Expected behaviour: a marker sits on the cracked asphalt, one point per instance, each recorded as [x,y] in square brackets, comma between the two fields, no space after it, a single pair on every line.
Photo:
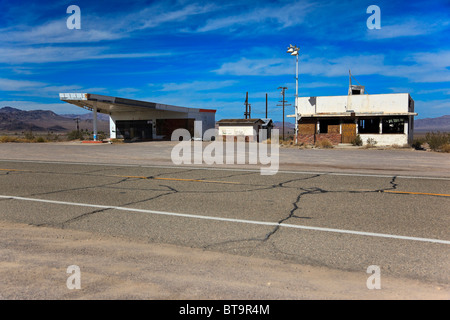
[312,227]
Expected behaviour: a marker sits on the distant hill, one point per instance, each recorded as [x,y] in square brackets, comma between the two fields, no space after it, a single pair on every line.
[16,120]
[86,116]
[433,124]
[289,127]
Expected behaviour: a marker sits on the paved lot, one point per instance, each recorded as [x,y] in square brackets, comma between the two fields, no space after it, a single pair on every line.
[320,225]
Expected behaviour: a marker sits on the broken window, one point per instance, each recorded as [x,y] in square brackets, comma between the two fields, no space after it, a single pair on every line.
[370,125]
[393,125]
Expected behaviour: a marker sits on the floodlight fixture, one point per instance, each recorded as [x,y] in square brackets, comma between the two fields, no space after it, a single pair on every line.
[294,51]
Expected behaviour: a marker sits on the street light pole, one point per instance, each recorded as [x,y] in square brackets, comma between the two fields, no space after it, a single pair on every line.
[294,51]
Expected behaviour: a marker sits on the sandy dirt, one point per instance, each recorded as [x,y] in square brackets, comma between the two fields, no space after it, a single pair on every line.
[34,262]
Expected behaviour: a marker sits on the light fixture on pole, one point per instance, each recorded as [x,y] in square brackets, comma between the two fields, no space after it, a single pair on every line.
[294,51]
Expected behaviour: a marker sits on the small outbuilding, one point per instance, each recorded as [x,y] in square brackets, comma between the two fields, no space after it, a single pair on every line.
[246,129]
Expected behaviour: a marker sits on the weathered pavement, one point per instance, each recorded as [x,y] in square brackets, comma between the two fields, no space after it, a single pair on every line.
[146,231]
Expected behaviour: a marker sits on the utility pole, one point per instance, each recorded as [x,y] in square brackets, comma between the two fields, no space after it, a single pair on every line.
[283,89]
[266,105]
[246,113]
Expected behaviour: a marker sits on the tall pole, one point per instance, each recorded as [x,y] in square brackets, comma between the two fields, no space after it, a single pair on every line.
[294,51]
[95,123]
[246,105]
[296,103]
[284,104]
[266,105]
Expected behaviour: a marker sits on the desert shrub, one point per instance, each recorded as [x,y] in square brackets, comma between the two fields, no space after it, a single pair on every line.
[101,136]
[417,143]
[52,137]
[324,144]
[40,139]
[357,141]
[371,142]
[446,148]
[29,135]
[75,135]
[4,139]
[437,140]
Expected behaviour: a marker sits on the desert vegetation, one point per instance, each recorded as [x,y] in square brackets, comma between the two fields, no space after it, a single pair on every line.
[435,141]
[40,137]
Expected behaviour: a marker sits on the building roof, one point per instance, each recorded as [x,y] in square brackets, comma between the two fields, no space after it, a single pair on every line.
[354,114]
[108,104]
[240,121]
[267,121]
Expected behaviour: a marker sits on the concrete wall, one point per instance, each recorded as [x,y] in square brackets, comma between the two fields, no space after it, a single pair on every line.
[387,103]
[385,139]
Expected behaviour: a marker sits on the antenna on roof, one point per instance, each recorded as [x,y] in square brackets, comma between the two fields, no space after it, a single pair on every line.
[354,89]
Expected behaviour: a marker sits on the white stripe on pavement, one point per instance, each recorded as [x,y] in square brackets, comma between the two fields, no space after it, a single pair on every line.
[266,223]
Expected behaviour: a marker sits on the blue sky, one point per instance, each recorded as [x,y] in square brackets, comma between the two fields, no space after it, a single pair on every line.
[208,54]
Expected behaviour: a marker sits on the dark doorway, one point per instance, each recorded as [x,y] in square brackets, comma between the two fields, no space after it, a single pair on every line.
[134,130]
[165,127]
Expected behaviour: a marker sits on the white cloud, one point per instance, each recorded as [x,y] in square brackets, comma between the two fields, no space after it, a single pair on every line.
[397,28]
[282,16]
[41,89]
[96,28]
[418,67]
[18,55]
[256,67]
[19,85]
[56,32]
[197,85]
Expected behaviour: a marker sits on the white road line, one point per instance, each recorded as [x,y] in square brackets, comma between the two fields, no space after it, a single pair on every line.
[229,169]
[266,223]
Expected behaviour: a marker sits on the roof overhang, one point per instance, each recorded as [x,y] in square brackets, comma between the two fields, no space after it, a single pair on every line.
[240,121]
[108,104]
[355,114]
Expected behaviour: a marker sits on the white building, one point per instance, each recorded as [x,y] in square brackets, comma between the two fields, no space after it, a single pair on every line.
[388,119]
[247,129]
[135,120]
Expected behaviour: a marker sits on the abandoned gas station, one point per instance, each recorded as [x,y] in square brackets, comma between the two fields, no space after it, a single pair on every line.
[385,119]
[134,120]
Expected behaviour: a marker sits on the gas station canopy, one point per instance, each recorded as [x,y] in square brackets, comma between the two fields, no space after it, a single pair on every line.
[108,104]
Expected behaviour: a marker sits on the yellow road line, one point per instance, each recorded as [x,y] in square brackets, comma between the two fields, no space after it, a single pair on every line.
[419,193]
[137,177]
[178,179]
[196,180]
[12,170]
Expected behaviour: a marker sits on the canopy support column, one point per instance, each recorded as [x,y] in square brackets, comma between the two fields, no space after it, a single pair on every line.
[95,122]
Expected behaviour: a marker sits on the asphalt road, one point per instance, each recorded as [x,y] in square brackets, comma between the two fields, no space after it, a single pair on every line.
[341,222]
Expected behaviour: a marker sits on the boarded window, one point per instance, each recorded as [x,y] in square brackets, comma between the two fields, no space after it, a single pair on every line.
[329,126]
